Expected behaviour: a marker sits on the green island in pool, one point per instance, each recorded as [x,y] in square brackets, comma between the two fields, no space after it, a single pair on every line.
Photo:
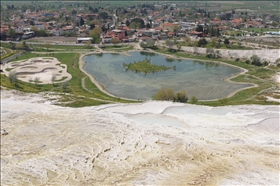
[146,66]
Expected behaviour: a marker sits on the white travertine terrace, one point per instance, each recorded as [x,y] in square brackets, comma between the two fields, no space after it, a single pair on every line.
[43,68]
[104,145]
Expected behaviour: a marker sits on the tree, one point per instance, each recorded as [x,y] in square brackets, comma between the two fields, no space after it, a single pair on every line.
[95,35]
[13,77]
[11,33]
[256,60]
[53,79]
[181,97]
[88,45]
[74,12]
[115,41]
[226,41]
[92,24]
[187,40]
[65,85]
[176,29]
[194,100]
[199,28]
[201,42]
[12,45]
[25,46]
[47,45]
[170,44]
[164,94]
[210,53]
[214,42]
[82,22]
[179,46]
[103,15]
[36,80]
[137,23]
[151,43]
[148,44]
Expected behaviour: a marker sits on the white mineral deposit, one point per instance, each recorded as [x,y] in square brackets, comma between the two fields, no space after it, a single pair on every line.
[115,144]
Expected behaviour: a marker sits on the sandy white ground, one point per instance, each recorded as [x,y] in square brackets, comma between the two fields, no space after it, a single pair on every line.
[180,144]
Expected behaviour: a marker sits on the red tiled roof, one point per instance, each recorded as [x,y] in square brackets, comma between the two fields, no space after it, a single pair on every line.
[236,21]
[171,33]
[194,32]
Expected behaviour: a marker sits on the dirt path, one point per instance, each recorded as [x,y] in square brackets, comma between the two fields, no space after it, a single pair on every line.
[84,87]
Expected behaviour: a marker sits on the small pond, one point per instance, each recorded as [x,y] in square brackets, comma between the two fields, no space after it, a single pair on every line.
[205,80]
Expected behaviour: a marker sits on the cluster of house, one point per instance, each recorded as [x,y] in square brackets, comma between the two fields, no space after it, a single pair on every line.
[160,26]
[161,32]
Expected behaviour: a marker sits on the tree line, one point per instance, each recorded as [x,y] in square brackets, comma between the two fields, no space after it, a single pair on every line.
[168,94]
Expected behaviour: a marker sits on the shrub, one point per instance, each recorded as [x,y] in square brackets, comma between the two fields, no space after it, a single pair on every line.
[210,53]
[265,63]
[181,97]
[201,42]
[223,101]
[226,41]
[13,77]
[194,100]
[256,60]
[36,80]
[65,85]
[168,95]
[164,94]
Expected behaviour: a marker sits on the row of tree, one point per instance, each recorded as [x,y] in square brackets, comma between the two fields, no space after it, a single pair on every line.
[168,94]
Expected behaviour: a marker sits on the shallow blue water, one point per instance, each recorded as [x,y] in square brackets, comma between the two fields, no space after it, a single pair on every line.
[201,79]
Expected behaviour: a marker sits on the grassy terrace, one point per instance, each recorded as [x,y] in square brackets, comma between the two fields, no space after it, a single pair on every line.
[77,95]
[260,76]
[145,67]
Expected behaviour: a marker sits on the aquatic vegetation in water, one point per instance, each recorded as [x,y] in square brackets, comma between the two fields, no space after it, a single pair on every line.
[146,66]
